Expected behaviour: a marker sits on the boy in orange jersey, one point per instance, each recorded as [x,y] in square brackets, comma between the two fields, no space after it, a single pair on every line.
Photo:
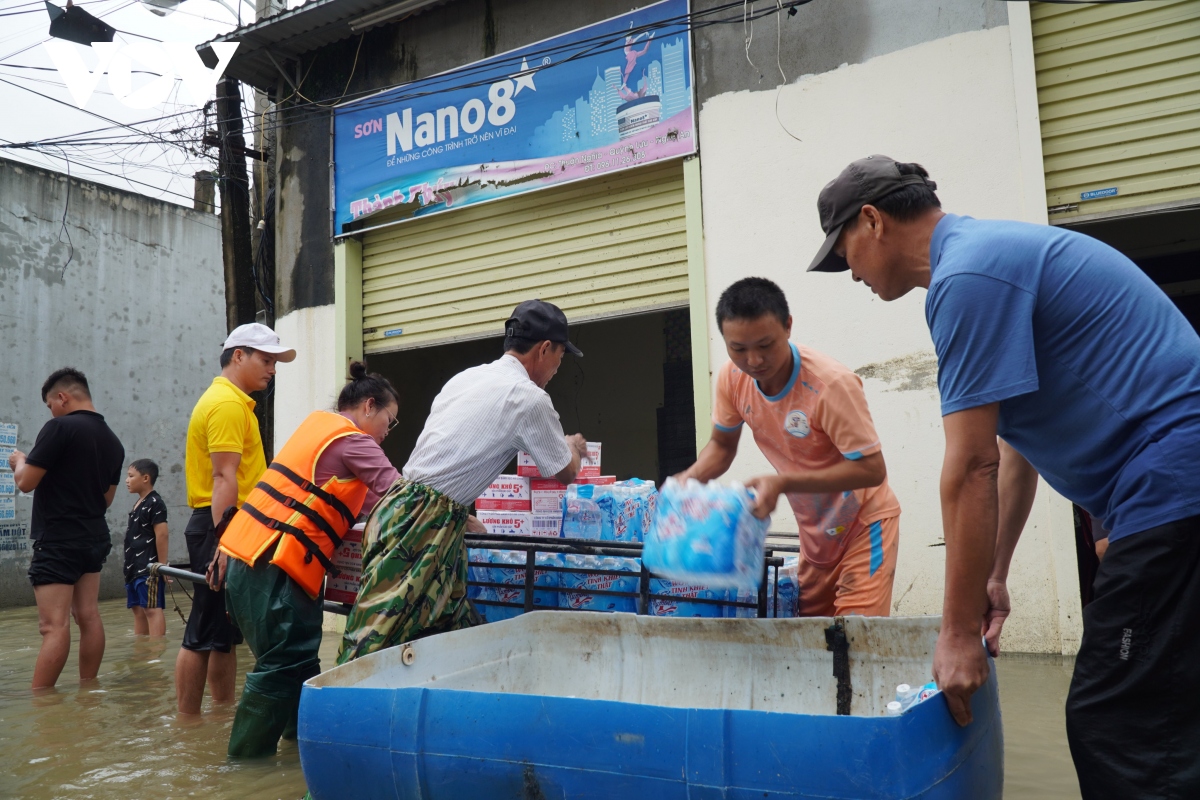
[809,417]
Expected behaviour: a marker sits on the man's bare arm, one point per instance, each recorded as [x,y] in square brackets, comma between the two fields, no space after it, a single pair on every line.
[225,488]
[577,444]
[161,540]
[714,460]
[969,519]
[25,476]
[224,495]
[1017,487]
[844,476]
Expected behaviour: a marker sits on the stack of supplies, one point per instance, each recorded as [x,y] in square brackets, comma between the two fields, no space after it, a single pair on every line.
[546,493]
[615,511]
[505,507]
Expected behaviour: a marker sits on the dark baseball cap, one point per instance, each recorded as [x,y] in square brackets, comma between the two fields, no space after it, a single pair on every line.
[538,321]
[861,183]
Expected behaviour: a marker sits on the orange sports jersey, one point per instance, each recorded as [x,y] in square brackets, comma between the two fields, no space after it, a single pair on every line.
[819,418]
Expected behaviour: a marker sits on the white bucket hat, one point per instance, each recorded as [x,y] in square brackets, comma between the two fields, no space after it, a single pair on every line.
[259,337]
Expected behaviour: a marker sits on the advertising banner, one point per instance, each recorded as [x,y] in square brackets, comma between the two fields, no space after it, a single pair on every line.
[608,97]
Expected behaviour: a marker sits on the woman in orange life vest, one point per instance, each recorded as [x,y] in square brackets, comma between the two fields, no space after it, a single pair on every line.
[279,546]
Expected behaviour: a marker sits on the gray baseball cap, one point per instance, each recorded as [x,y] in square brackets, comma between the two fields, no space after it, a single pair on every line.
[861,183]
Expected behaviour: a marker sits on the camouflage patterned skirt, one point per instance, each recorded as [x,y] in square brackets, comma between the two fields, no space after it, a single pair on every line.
[414,572]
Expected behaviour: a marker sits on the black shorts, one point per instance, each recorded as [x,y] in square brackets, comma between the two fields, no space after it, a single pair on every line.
[208,626]
[66,562]
[1133,712]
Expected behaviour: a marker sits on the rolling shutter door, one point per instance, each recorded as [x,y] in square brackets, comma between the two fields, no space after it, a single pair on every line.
[1119,100]
[612,245]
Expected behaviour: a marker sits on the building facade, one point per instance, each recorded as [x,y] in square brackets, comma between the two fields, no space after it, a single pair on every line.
[1015,108]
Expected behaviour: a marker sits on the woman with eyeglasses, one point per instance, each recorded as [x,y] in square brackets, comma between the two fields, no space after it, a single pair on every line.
[281,543]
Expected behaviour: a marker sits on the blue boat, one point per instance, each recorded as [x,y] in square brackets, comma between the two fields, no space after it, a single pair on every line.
[559,704]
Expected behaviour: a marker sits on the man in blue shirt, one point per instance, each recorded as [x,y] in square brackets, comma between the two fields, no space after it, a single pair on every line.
[1061,347]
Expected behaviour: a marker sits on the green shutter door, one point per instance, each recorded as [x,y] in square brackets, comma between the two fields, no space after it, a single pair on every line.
[1119,100]
[603,247]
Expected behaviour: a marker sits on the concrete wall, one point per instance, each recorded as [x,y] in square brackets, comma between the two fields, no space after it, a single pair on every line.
[951,103]
[139,308]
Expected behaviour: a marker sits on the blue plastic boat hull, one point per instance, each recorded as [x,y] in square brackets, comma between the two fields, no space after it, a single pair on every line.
[439,744]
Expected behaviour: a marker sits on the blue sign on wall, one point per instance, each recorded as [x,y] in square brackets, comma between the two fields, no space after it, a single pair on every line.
[1096,194]
[611,96]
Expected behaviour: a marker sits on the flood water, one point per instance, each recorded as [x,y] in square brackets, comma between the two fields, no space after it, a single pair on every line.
[119,737]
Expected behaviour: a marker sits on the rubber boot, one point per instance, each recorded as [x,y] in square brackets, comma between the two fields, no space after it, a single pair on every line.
[291,730]
[258,724]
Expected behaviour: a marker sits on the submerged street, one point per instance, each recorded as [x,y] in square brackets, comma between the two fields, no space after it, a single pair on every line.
[121,738]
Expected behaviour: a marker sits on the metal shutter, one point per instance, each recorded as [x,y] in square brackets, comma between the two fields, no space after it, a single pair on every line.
[1119,100]
[612,245]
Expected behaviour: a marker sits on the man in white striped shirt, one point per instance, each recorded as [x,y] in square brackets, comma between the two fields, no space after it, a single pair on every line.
[414,579]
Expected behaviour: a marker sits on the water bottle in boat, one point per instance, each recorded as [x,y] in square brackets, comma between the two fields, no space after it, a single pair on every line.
[909,696]
[581,514]
[905,695]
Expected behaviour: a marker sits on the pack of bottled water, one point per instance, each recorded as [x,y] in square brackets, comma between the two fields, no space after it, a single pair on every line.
[475,574]
[788,580]
[511,572]
[633,503]
[681,594]
[579,587]
[582,518]
[619,512]
[705,533]
[908,696]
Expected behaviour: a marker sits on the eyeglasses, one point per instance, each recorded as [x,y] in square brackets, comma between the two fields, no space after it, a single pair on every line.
[392,421]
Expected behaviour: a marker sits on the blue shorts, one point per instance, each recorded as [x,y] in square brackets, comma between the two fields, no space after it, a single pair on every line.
[140,591]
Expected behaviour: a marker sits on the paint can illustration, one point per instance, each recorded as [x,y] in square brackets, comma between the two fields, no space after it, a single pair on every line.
[638,115]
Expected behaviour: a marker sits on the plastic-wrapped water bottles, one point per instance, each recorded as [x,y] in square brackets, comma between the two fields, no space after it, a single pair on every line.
[789,592]
[908,696]
[476,573]
[706,534]
[582,582]
[512,574]
[581,513]
[680,592]
[632,503]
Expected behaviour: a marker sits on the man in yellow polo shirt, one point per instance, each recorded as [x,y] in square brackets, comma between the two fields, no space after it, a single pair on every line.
[224,460]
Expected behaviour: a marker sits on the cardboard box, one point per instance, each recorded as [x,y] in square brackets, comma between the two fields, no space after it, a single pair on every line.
[348,560]
[589,467]
[597,480]
[506,493]
[547,525]
[546,494]
[506,523]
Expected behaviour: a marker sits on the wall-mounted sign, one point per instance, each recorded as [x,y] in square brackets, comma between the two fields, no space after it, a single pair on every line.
[8,486]
[1097,194]
[8,443]
[608,97]
[13,539]
[8,509]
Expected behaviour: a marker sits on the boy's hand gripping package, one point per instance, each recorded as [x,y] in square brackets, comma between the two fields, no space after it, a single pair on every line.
[705,533]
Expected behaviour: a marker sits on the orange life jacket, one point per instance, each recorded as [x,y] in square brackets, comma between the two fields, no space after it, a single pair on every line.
[287,501]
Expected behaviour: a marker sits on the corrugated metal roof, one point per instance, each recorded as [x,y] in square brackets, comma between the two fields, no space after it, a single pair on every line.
[279,41]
